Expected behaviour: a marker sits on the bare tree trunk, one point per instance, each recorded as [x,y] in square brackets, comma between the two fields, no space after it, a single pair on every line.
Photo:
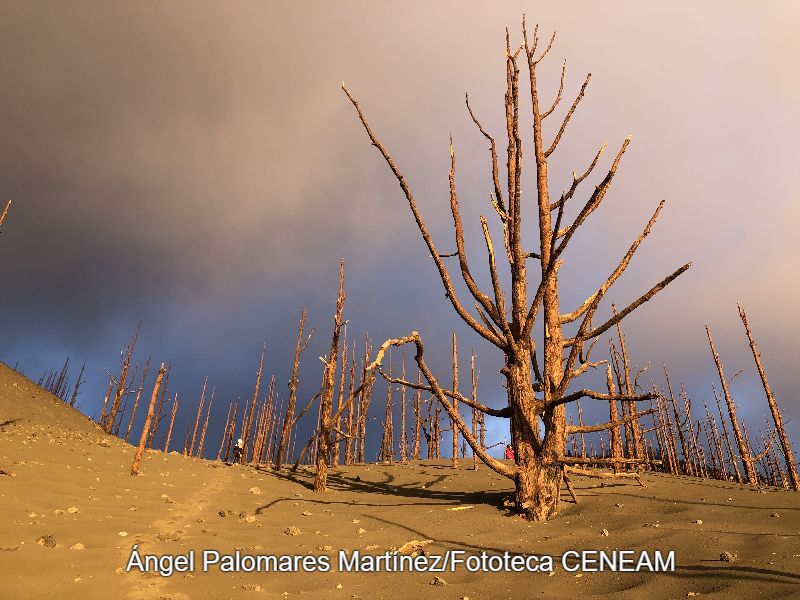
[417,417]
[248,426]
[613,417]
[290,407]
[197,418]
[337,425]
[728,444]
[351,433]
[403,439]
[326,406]
[742,445]
[231,430]
[172,422]
[205,426]
[158,416]
[224,431]
[138,397]
[791,465]
[454,429]
[137,459]
[475,434]
[126,363]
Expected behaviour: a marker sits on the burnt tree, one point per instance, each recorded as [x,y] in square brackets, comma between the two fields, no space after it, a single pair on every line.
[537,380]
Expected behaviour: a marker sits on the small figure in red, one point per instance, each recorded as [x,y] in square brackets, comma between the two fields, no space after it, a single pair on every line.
[509,452]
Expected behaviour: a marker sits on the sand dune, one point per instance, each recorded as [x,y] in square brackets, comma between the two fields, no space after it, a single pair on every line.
[72,512]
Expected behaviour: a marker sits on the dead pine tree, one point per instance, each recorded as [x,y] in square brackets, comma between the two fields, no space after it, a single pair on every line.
[290,406]
[387,441]
[326,400]
[77,387]
[453,427]
[197,417]
[248,424]
[335,448]
[417,418]
[403,439]
[474,380]
[741,443]
[137,459]
[537,379]
[171,422]
[201,443]
[138,397]
[786,446]
[111,418]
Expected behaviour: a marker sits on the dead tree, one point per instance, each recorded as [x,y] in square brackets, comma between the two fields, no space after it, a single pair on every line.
[290,407]
[197,416]
[78,384]
[137,459]
[537,382]
[326,405]
[158,415]
[474,380]
[403,438]
[613,417]
[171,422]
[111,418]
[791,465]
[351,433]
[248,422]
[201,443]
[138,397]
[335,448]
[453,427]
[741,442]
[417,417]
[387,441]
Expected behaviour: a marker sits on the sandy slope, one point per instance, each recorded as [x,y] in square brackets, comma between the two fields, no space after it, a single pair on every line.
[63,462]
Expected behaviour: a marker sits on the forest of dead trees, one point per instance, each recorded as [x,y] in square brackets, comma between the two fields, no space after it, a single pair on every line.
[653,423]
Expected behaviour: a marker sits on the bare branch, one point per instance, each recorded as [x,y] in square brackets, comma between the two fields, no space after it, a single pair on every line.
[584,393]
[576,181]
[630,308]
[623,264]
[547,113]
[443,273]
[606,426]
[498,192]
[572,108]
[493,412]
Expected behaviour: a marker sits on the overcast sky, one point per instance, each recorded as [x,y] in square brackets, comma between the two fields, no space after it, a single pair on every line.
[196,165]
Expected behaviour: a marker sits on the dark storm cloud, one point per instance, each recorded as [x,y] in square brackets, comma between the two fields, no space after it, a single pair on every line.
[196,165]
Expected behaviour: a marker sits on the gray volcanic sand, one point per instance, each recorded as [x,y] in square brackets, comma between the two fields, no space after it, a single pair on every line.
[73,483]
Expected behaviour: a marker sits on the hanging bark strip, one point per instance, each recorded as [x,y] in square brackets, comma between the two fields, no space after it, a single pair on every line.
[326,406]
[172,422]
[741,444]
[126,363]
[137,459]
[453,427]
[786,446]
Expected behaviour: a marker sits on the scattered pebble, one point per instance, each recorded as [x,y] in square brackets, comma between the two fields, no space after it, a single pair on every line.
[292,530]
[72,510]
[728,556]
[48,541]
[699,522]
[123,533]
[77,546]
[775,515]
[361,530]
[255,490]
[438,581]
[253,587]
[604,533]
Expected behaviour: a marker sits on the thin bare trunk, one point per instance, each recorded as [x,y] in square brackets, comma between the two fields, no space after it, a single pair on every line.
[137,459]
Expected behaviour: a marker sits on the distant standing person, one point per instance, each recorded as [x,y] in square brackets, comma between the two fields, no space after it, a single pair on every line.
[237,451]
[509,452]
